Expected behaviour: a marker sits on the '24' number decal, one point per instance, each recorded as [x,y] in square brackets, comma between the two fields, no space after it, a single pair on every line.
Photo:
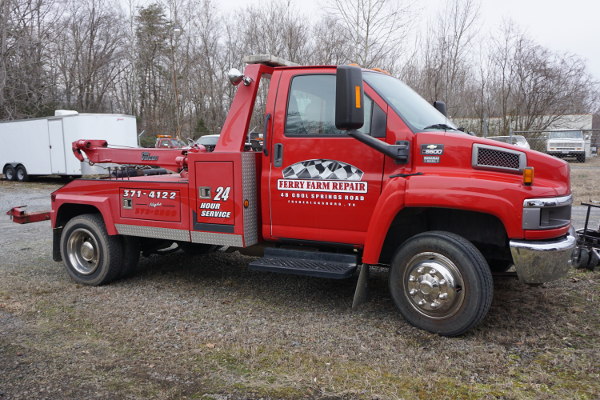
[222,193]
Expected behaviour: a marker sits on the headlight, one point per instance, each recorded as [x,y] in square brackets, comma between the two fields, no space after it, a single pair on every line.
[547,213]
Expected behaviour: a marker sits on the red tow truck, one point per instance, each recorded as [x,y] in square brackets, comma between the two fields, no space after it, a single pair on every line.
[167,141]
[357,170]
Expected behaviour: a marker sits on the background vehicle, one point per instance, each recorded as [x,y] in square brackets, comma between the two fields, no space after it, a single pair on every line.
[564,144]
[350,176]
[42,146]
[208,141]
[167,141]
[516,140]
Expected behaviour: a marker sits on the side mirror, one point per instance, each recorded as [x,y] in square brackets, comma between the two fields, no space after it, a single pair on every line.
[441,107]
[349,111]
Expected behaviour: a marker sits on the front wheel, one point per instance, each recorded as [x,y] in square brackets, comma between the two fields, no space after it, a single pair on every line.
[441,283]
[91,256]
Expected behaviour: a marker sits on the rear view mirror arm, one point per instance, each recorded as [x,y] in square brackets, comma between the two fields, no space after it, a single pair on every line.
[398,152]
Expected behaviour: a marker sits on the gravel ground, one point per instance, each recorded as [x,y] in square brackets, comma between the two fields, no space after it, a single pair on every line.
[207,327]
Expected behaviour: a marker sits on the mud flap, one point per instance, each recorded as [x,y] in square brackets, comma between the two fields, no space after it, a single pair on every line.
[361,292]
[56,232]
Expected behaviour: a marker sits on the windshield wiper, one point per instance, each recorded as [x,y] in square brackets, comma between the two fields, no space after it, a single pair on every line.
[441,126]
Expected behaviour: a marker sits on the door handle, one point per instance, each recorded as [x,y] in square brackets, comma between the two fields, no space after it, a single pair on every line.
[278,161]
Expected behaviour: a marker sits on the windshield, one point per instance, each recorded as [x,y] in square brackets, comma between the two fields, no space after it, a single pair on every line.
[566,135]
[413,109]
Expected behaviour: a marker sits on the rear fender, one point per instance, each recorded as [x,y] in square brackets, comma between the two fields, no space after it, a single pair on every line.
[71,206]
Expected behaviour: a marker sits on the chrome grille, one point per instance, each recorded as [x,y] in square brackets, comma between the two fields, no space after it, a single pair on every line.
[498,158]
[564,145]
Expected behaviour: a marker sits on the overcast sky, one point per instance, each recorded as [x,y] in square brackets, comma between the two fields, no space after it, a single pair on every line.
[563,26]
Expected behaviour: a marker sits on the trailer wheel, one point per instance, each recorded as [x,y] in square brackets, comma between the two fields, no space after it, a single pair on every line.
[581,158]
[91,256]
[22,175]
[9,173]
[441,283]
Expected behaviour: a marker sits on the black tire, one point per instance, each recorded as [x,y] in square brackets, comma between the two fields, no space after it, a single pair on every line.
[10,173]
[131,255]
[441,283]
[196,249]
[593,261]
[22,175]
[581,158]
[581,258]
[91,256]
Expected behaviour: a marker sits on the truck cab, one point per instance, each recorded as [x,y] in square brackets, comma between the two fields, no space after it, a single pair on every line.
[356,170]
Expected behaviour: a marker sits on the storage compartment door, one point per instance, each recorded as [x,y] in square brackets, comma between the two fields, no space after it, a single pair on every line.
[215,200]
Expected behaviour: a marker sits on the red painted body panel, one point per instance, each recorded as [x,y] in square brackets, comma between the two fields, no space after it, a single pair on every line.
[322,210]
[235,128]
[107,196]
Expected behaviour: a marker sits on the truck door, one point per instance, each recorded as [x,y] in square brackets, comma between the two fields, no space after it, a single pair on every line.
[57,146]
[323,185]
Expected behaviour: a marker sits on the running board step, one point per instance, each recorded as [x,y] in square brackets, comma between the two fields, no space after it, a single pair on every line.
[309,263]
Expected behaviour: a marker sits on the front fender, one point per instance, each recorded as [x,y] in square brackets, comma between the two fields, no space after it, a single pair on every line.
[388,206]
[452,192]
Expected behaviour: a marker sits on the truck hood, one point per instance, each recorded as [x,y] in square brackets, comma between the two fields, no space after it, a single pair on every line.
[436,152]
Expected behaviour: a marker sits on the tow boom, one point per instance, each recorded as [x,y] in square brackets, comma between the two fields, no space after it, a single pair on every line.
[97,151]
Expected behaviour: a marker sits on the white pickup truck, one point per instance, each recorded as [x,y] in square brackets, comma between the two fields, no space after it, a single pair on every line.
[564,144]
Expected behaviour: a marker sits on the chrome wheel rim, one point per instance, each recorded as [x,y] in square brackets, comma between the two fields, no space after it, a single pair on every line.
[20,174]
[83,251]
[433,285]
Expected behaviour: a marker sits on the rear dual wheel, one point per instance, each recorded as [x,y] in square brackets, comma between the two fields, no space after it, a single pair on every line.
[441,283]
[91,256]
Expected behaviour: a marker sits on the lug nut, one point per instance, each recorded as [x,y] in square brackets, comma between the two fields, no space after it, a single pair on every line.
[443,296]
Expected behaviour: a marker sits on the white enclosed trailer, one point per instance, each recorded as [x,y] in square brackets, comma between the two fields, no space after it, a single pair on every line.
[42,146]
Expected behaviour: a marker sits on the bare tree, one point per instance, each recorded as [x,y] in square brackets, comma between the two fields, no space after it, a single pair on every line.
[445,69]
[89,49]
[535,87]
[376,29]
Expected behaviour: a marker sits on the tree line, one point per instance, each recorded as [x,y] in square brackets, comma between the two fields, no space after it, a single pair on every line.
[165,61]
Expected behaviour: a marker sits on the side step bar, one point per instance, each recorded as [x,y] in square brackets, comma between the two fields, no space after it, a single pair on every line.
[308,263]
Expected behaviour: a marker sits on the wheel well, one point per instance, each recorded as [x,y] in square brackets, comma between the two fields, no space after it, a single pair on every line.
[485,231]
[69,211]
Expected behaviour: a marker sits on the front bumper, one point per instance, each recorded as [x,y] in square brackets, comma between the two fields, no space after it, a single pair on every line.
[542,261]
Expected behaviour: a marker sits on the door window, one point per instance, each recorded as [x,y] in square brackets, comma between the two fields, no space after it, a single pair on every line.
[311,107]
